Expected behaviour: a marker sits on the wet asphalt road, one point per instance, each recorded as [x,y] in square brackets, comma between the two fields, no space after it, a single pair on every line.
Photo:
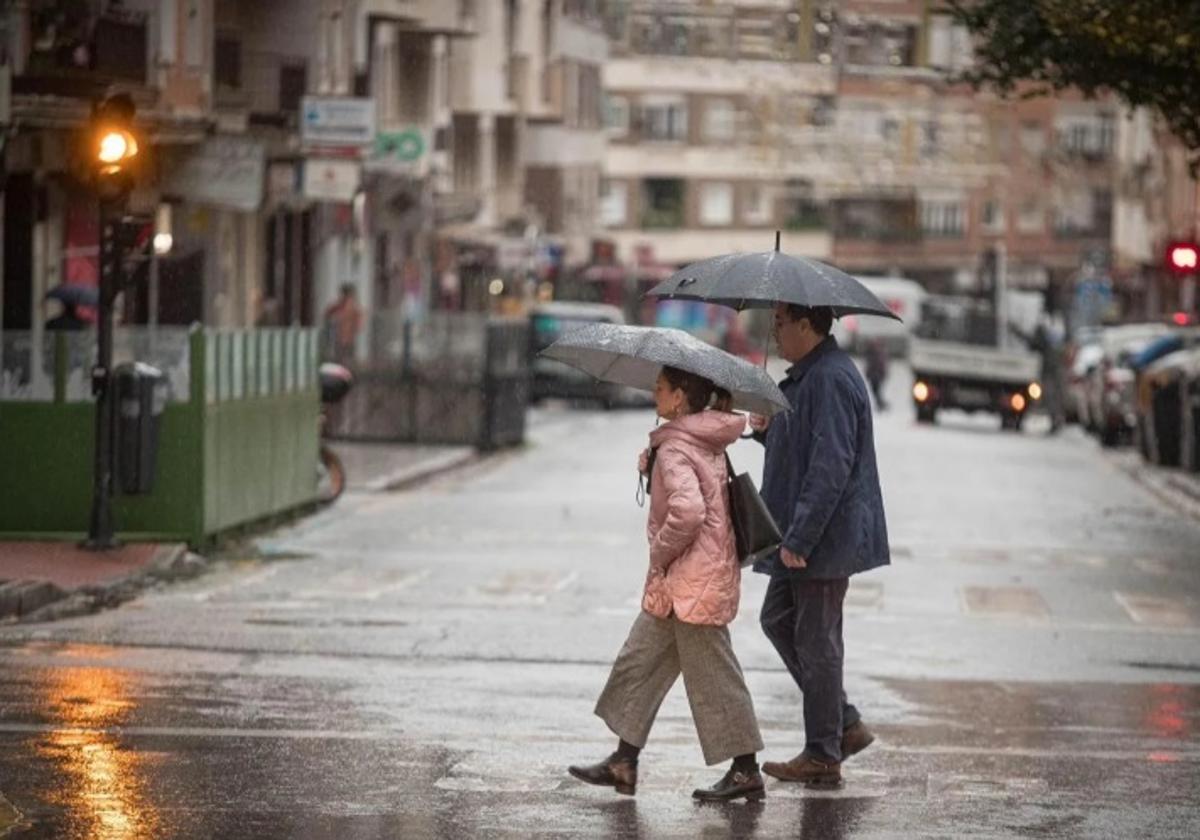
[424,664]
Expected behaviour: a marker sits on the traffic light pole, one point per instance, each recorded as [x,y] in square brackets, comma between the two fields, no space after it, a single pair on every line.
[100,531]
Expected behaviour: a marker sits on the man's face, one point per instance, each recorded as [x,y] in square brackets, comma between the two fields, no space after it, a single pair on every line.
[789,334]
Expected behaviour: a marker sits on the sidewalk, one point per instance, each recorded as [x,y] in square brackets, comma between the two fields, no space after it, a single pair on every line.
[45,580]
[378,467]
[1176,487]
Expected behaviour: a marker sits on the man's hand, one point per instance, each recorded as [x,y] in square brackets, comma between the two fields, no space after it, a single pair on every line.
[758,423]
[792,560]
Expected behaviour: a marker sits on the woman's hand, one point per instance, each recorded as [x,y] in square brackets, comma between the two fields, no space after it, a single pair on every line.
[643,461]
[758,423]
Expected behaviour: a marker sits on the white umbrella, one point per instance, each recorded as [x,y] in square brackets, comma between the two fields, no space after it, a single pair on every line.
[634,356]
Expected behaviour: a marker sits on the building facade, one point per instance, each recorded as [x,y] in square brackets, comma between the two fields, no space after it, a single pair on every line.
[838,123]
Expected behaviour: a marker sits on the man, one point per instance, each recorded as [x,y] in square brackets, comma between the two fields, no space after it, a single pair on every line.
[343,320]
[821,484]
[877,370]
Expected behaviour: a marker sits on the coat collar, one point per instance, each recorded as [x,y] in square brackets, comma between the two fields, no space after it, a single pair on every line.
[796,372]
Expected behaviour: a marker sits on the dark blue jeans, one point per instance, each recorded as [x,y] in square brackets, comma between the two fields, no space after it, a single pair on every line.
[803,619]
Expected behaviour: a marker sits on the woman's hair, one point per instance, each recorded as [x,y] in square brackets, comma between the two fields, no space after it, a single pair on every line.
[697,390]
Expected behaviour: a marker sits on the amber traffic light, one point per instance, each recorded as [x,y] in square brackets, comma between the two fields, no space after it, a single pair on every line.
[113,147]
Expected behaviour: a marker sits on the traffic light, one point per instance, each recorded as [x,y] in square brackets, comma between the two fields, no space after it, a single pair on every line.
[1183,258]
[113,147]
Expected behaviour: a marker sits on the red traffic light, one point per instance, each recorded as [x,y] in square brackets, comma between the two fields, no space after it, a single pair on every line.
[1183,257]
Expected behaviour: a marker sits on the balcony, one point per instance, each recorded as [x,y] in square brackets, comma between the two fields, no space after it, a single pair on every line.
[441,17]
[84,59]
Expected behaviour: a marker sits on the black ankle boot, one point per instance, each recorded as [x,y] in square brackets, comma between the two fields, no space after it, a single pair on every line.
[616,772]
[734,785]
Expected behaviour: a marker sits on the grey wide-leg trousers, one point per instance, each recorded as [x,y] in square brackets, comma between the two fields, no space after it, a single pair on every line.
[654,655]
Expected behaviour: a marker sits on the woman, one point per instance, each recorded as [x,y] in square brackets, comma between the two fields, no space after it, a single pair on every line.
[690,597]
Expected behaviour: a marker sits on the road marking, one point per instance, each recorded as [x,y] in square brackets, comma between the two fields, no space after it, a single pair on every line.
[1157,611]
[526,586]
[1012,601]
[982,787]
[10,817]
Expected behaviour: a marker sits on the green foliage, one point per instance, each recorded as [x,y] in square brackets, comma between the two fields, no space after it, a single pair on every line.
[1147,52]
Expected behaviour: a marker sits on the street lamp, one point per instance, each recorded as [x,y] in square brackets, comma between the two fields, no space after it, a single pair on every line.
[112,151]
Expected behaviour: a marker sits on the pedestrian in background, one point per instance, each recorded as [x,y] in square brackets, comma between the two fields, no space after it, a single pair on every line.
[877,370]
[343,322]
[821,484]
[691,595]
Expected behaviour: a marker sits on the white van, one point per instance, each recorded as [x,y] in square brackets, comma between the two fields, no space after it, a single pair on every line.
[900,295]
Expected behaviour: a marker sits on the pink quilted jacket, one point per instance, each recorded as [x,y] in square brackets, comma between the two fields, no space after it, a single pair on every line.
[693,562]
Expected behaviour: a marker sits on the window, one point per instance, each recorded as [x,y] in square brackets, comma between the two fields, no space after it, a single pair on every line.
[756,207]
[930,139]
[664,119]
[716,204]
[614,203]
[662,203]
[720,121]
[1033,138]
[943,218]
[293,84]
[1031,218]
[227,61]
[993,217]
[1093,137]
[949,44]
[879,43]
[616,115]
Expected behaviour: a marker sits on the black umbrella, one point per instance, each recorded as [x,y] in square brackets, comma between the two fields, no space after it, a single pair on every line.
[765,278]
[633,356]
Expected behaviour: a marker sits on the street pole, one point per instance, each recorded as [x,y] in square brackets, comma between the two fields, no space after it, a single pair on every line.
[100,531]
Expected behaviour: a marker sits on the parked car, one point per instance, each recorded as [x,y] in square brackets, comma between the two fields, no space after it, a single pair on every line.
[1143,361]
[548,321]
[1169,410]
[1111,385]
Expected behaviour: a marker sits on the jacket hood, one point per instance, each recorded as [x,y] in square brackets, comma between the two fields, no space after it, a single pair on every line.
[711,429]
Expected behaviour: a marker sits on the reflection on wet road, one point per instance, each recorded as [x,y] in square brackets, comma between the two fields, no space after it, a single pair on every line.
[424,665]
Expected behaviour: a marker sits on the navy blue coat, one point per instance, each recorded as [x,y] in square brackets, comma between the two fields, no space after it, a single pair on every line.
[820,480]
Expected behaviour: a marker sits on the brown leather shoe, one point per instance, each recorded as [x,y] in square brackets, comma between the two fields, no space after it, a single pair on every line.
[614,772]
[734,785]
[805,768]
[855,739]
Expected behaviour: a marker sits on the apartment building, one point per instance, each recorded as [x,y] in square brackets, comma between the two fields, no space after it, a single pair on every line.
[700,102]
[836,123]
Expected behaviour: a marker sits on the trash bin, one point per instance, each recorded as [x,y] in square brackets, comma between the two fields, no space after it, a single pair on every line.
[1167,411]
[1192,407]
[141,396]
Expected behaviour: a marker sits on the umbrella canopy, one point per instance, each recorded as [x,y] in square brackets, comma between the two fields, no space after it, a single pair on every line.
[634,356]
[71,295]
[765,278]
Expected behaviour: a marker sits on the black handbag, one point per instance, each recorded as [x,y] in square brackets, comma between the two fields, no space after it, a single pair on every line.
[754,529]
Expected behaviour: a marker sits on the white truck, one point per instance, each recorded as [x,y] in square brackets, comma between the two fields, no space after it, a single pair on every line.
[961,361]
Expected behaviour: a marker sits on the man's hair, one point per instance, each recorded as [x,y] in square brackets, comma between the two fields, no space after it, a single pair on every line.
[349,289]
[821,317]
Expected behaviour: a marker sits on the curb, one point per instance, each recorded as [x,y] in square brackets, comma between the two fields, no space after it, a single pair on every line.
[172,563]
[1172,486]
[424,471]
